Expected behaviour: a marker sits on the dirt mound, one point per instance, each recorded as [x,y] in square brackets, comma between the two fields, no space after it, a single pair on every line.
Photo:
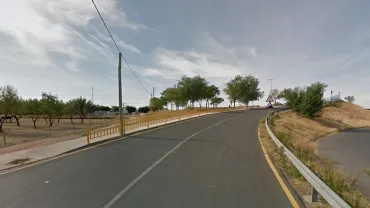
[334,117]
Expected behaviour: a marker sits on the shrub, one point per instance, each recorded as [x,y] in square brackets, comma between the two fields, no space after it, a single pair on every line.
[307,101]
[313,102]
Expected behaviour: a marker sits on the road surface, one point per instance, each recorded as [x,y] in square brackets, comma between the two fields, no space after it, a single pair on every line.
[212,161]
[350,150]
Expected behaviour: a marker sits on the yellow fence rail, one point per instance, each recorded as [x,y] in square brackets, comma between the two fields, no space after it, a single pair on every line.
[151,119]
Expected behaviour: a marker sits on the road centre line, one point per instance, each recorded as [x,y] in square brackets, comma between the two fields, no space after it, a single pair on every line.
[143,174]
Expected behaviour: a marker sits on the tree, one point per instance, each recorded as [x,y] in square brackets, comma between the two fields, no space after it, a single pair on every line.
[49,103]
[144,109]
[70,110]
[82,107]
[33,108]
[60,109]
[293,97]
[10,103]
[215,101]
[192,89]
[8,97]
[248,89]
[198,86]
[274,94]
[231,90]
[313,99]
[307,101]
[186,91]
[130,109]
[18,109]
[115,108]
[350,98]
[156,103]
[210,92]
[172,95]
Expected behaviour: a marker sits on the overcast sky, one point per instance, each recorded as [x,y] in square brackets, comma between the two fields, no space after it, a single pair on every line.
[61,46]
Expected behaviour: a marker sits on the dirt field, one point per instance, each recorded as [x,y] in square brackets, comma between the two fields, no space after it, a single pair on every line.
[63,130]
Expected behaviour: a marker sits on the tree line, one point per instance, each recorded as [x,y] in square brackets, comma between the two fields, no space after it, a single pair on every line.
[49,107]
[185,93]
[190,90]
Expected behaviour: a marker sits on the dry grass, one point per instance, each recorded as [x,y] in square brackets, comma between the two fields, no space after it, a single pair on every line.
[334,118]
[301,134]
[301,186]
[348,114]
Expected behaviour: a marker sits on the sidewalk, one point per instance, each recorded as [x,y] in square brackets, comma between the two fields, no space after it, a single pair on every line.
[43,152]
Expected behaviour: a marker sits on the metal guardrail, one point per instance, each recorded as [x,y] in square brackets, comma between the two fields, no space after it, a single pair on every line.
[324,190]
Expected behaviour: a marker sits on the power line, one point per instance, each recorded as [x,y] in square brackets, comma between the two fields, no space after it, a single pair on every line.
[128,65]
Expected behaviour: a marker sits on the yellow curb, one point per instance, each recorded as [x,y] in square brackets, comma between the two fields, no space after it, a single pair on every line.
[280,180]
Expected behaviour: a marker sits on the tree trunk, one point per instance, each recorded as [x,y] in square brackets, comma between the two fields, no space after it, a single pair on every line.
[46,121]
[82,119]
[17,119]
[1,125]
[234,103]
[51,121]
[34,119]
[60,116]
[71,117]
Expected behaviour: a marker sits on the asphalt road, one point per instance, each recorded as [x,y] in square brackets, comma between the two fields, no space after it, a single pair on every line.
[213,161]
[350,150]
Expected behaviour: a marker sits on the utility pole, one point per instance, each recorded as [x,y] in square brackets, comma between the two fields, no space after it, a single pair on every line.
[271,85]
[120,95]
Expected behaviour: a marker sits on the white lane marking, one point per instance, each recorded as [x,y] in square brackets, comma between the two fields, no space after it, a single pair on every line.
[46,181]
[133,183]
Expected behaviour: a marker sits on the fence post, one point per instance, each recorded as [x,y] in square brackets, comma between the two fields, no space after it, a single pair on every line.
[314,194]
[87,136]
[124,126]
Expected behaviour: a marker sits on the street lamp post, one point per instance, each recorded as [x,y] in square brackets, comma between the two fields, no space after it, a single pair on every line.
[271,85]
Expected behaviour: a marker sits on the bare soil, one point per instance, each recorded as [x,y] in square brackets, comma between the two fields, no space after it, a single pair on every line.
[42,135]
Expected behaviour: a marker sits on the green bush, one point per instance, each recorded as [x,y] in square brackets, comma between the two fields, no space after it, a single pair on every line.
[307,101]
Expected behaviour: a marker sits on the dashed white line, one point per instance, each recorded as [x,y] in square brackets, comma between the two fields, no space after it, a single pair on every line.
[136,180]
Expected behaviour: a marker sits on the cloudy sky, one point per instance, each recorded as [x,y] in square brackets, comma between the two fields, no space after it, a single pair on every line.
[61,46]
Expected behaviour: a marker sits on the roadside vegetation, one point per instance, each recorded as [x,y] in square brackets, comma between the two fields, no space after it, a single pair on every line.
[190,90]
[48,116]
[310,119]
